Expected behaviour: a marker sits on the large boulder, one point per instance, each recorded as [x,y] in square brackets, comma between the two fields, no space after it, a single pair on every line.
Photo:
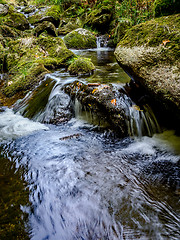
[80,39]
[150,53]
[16,20]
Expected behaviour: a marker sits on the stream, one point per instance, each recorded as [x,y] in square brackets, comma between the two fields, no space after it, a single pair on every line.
[79,181]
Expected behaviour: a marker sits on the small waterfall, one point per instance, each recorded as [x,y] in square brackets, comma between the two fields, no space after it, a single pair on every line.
[47,103]
[102,41]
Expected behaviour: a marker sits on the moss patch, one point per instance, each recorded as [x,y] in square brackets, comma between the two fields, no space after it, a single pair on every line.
[160,31]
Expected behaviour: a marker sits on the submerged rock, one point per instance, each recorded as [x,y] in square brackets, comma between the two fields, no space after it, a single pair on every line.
[150,53]
[80,39]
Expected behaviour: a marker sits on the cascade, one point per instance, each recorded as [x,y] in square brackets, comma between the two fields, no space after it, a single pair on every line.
[71,181]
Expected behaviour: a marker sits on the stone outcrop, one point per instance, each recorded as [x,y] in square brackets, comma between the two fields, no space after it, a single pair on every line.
[150,53]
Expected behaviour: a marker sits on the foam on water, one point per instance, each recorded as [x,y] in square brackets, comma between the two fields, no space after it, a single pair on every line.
[14,125]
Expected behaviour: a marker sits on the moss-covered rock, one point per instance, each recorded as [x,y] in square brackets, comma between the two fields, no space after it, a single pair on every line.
[150,52]
[15,20]
[26,78]
[67,27]
[80,39]
[81,66]
[166,7]
[50,14]
[47,27]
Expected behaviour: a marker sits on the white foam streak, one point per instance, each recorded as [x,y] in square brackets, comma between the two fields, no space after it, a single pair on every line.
[14,125]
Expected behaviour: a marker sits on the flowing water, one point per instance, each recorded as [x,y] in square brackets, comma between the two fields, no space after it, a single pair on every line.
[77,180]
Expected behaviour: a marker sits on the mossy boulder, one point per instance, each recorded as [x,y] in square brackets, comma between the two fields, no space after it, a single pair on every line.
[67,27]
[15,20]
[29,58]
[166,7]
[47,27]
[50,14]
[150,53]
[80,39]
[100,19]
[81,66]
[25,79]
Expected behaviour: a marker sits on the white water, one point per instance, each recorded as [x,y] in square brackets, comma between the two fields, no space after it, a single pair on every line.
[86,184]
[14,125]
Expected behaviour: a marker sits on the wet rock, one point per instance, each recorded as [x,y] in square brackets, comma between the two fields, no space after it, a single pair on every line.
[45,26]
[81,66]
[102,101]
[80,39]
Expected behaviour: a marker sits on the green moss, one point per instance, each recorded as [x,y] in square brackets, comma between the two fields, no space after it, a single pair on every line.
[80,39]
[7,31]
[166,7]
[51,14]
[81,66]
[16,20]
[153,33]
[25,79]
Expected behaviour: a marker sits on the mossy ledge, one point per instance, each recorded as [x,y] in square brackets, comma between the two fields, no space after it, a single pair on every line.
[150,53]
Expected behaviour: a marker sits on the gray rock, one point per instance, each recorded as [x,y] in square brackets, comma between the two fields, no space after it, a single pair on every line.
[4,9]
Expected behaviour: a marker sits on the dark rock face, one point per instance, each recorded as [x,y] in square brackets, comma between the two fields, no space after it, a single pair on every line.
[101,100]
